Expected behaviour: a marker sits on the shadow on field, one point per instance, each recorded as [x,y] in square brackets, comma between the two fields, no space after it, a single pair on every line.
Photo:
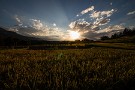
[57,47]
[75,47]
[112,47]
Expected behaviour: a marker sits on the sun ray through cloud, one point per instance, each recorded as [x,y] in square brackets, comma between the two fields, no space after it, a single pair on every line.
[55,19]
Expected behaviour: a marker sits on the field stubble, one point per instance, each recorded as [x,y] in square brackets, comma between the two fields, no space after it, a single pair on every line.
[94,68]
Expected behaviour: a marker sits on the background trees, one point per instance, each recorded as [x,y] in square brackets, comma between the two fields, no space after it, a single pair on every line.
[125,32]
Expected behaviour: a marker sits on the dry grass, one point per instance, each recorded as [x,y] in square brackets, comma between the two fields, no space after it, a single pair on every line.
[85,69]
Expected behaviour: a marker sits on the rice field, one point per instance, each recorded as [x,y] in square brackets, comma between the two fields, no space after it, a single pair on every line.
[95,68]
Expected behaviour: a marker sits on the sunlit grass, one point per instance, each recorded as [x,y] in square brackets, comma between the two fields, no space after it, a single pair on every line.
[94,68]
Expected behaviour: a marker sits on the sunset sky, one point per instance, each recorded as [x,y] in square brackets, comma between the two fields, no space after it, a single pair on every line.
[67,19]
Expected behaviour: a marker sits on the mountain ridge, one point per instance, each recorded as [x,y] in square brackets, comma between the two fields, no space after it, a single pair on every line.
[5,33]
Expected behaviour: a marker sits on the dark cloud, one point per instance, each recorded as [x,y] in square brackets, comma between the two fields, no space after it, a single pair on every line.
[26,30]
[108,31]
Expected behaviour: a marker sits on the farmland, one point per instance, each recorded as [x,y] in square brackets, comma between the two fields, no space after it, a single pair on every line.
[100,66]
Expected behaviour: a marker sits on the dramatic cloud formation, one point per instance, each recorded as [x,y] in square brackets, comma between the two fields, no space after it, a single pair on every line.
[130,13]
[100,18]
[91,27]
[36,28]
[60,19]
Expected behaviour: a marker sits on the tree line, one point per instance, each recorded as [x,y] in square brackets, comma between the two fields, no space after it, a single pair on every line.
[125,32]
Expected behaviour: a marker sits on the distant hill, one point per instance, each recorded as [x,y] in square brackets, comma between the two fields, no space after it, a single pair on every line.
[5,33]
[9,38]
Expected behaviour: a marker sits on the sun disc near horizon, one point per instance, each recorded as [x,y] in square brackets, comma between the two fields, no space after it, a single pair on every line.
[74,35]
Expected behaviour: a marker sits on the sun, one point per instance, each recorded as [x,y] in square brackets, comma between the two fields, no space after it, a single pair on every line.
[74,35]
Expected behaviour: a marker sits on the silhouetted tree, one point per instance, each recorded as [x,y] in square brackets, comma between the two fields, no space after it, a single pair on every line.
[114,36]
[86,39]
[77,40]
[105,38]
[126,32]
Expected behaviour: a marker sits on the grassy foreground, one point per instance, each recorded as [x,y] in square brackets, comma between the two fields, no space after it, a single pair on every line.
[85,69]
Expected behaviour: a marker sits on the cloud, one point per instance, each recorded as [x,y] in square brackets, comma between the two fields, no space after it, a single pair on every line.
[18,20]
[45,33]
[37,24]
[104,21]
[80,25]
[131,27]
[26,31]
[95,14]
[111,28]
[101,21]
[54,24]
[13,29]
[49,34]
[87,10]
[108,13]
[111,3]
[77,15]
[130,13]
[100,14]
